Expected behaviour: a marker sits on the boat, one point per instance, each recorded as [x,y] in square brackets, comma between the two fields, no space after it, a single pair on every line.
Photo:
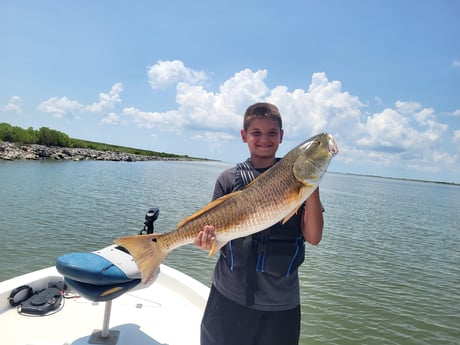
[98,298]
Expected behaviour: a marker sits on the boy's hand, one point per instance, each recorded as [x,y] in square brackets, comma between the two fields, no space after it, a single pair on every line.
[206,238]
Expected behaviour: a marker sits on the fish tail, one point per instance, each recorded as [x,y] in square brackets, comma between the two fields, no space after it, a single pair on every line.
[148,252]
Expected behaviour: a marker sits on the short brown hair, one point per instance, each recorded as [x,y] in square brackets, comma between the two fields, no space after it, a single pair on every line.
[266,110]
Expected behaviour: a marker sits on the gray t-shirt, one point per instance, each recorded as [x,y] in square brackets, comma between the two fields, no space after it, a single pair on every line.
[272,293]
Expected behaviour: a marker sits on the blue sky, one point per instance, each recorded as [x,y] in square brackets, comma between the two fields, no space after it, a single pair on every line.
[176,76]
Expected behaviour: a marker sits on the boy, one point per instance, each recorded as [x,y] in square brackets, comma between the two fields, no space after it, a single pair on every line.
[254,296]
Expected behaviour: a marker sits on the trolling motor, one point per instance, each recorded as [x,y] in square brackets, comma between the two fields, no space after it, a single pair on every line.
[150,217]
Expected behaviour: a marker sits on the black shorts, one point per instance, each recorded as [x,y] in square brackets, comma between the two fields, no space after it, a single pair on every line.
[228,323]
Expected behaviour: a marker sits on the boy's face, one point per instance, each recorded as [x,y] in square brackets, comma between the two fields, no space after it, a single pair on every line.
[263,137]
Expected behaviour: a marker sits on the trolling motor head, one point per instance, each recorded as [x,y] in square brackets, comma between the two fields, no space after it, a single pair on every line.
[150,217]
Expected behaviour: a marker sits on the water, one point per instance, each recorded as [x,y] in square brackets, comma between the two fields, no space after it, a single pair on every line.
[386,272]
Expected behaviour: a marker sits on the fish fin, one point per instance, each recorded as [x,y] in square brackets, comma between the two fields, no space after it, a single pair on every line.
[147,251]
[205,209]
[285,219]
[216,247]
[304,193]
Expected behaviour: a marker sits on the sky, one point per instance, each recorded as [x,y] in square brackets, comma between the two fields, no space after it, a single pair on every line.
[382,76]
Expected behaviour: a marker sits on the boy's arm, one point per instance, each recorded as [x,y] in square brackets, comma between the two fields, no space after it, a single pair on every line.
[312,219]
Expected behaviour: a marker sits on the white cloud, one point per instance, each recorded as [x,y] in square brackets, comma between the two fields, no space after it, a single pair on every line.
[406,137]
[60,107]
[168,121]
[408,127]
[456,63]
[213,137]
[106,100]
[323,107]
[214,140]
[110,119]
[407,107]
[456,139]
[385,130]
[220,111]
[14,105]
[243,88]
[199,109]
[167,73]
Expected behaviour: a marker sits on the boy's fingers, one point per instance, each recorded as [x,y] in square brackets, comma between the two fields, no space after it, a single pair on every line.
[205,238]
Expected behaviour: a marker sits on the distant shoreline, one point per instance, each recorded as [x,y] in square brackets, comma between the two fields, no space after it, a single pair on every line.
[44,143]
[11,152]
[398,178]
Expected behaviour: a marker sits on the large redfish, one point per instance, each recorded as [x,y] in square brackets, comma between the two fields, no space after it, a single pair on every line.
[272,197]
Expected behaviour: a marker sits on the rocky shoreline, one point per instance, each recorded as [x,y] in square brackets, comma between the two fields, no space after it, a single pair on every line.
[10,151]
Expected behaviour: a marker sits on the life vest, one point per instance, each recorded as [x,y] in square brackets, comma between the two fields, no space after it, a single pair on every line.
[278,250]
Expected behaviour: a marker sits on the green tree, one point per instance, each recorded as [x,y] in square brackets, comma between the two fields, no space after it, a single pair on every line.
[17,134]
[51,137]
[6,132]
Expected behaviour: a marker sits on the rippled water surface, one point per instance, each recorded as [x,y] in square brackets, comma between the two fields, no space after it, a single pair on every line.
[386,272]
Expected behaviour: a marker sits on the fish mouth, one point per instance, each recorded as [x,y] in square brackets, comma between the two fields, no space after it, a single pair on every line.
[332,146]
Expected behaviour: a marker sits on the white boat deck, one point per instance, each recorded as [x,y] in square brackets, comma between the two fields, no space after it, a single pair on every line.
[167,312]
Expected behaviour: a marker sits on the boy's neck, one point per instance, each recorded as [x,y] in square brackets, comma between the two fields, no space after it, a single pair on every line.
[262,163]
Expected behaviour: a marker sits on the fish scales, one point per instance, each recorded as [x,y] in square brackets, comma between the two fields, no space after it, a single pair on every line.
[274,196]
[244,210]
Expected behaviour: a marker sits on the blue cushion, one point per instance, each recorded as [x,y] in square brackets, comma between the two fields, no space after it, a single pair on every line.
[100,293]
[90,268]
